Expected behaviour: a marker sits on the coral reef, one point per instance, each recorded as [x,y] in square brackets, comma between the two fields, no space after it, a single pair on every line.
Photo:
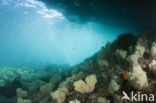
[127,64]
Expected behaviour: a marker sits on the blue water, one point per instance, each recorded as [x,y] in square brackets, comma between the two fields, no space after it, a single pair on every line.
[30,33]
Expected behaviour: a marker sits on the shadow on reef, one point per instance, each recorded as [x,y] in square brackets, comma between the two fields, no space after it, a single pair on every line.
[127,64]
[124,41]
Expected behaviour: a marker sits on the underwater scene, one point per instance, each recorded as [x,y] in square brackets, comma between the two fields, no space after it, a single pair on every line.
[77,51]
